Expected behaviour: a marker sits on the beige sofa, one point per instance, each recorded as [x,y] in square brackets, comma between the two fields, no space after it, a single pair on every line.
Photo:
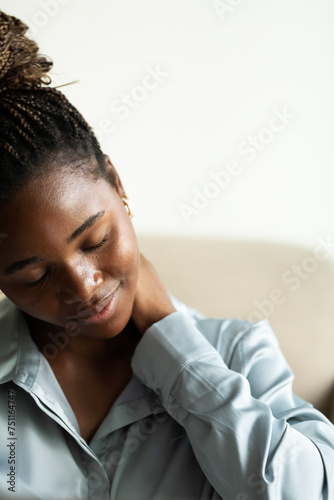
[252,280]
[293,287]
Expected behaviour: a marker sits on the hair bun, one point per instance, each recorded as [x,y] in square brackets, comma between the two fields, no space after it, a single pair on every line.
[20,64]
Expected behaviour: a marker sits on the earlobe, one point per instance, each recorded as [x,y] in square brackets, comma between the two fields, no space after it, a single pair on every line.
[126,203]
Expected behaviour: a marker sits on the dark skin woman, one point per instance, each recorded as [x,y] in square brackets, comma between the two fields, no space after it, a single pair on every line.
[64,271]
[67,279]
[110,388]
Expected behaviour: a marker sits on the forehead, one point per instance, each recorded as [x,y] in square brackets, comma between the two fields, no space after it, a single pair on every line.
[60,189]
[58,201]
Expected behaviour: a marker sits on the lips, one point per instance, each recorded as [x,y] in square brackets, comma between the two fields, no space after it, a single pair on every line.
[86,313]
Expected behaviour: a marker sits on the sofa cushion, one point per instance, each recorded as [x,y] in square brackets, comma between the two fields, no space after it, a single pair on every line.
[290,285]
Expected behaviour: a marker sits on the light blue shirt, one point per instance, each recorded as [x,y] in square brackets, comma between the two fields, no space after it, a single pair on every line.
[209,413]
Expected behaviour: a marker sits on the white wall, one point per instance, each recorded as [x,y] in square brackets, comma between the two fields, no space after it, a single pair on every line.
[228,68]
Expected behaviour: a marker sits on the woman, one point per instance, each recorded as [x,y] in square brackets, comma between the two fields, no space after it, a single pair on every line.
[110,388]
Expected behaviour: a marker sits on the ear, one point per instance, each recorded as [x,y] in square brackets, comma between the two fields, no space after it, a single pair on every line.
[114,177]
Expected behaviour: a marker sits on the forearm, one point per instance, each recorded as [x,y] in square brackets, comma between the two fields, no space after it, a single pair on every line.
[245,452]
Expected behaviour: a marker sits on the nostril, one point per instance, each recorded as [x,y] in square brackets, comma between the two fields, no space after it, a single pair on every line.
[79,292]
[78,298]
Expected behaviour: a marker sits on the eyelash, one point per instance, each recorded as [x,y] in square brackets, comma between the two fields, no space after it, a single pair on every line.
[87,250]
[99,245]
[35,283]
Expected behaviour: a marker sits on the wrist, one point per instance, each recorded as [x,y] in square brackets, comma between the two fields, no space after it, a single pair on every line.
[154,318]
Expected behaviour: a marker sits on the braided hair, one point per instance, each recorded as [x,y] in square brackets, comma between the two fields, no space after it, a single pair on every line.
[39,128]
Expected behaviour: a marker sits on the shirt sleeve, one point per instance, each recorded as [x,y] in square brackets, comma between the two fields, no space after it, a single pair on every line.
[253,438]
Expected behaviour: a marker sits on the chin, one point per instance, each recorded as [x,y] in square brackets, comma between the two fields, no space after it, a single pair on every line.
[104,330]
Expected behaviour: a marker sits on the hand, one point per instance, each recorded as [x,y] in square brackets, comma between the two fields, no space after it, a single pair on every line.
[152,302]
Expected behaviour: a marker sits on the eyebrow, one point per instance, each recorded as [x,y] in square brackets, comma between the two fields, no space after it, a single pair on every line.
[17,266]
[88,223]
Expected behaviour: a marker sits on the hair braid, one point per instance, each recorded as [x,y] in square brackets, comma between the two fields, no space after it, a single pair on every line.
[39,127]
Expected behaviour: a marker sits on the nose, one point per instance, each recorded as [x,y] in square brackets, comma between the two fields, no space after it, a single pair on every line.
[79,284]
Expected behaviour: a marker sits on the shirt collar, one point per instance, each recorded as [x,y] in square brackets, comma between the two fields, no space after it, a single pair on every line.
[20,359]
[17,346]
[22,362]
[12,327]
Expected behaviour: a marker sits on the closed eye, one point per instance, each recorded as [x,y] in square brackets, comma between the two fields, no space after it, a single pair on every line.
[91,249]
[87,250]
[40,280]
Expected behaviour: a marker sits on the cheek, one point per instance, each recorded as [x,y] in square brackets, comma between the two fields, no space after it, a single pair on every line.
[44,308]
[123,259]
[17,297]
[39,304]
[26,302]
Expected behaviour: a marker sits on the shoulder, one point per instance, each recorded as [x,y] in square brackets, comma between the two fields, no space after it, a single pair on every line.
[9,317]
[10,327]
[237,340]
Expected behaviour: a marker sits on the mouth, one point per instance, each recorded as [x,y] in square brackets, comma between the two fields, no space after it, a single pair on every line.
[101,311]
